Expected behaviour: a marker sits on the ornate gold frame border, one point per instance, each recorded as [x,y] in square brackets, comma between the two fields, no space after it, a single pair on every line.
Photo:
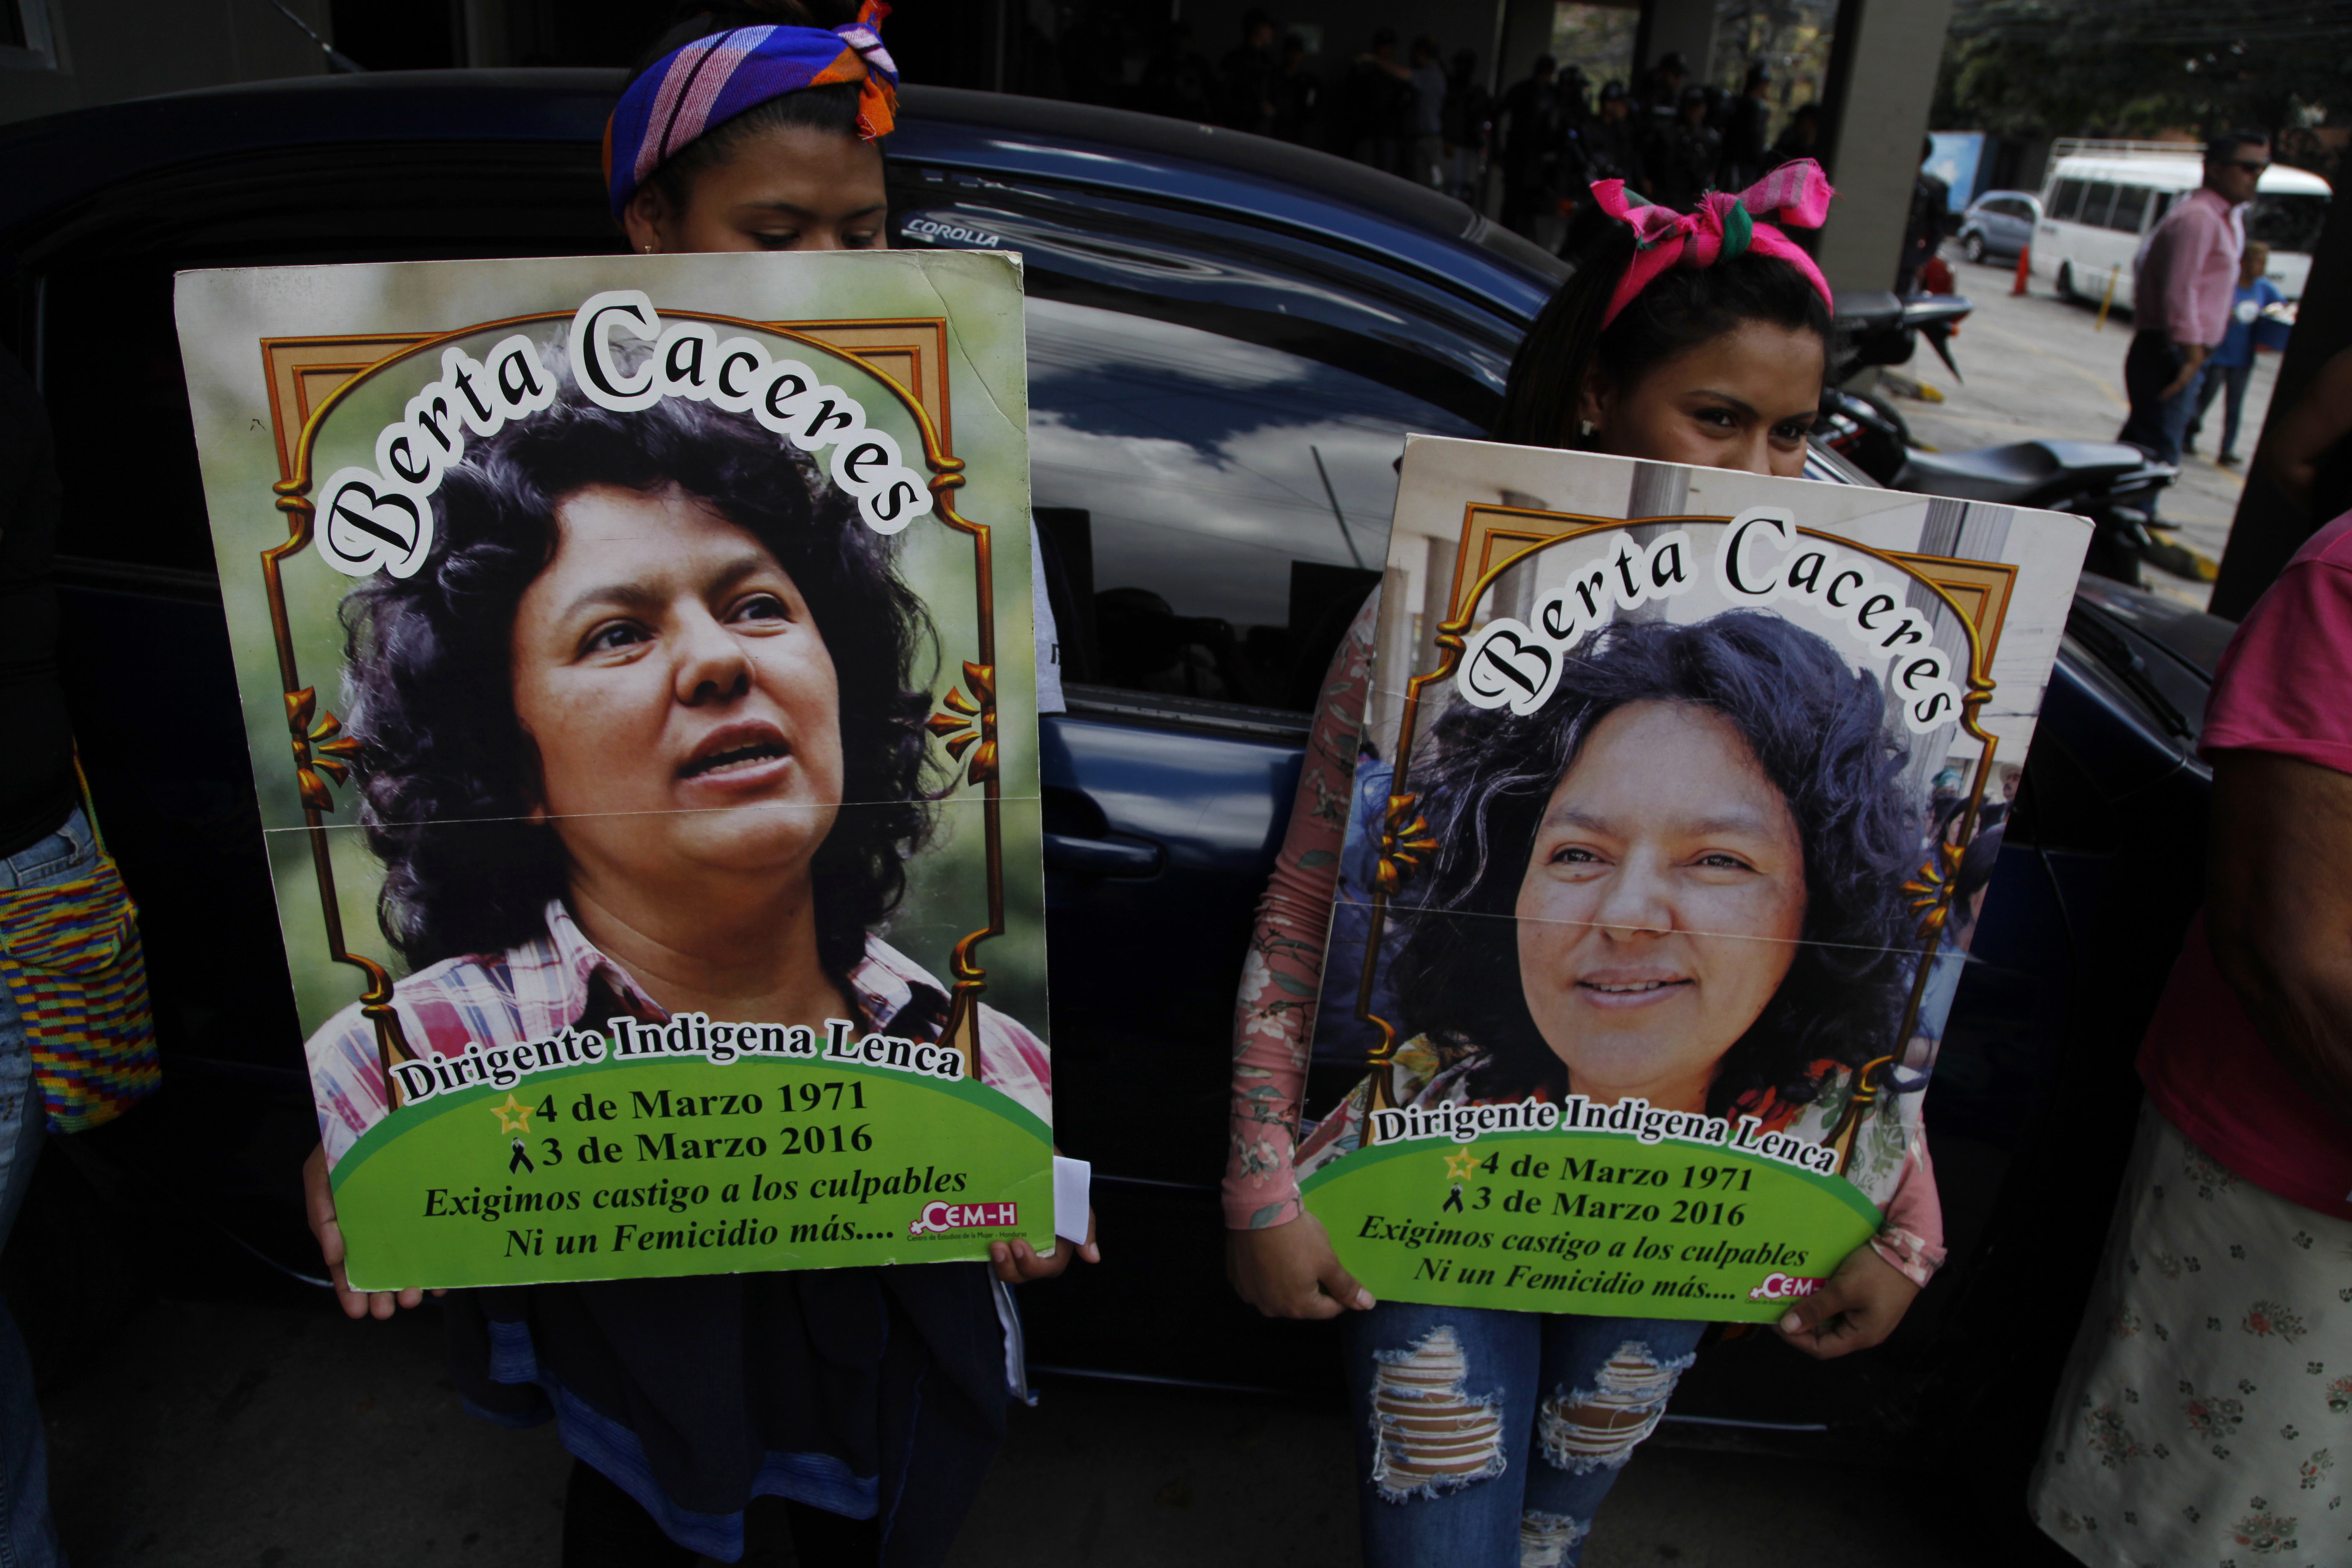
[1404,833]
[322,753]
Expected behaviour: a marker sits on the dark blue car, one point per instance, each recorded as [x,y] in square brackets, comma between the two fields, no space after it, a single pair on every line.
[1229,339]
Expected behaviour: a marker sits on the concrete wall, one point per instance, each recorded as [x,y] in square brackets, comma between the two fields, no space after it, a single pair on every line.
[104,50]
[1882,76]
[1527,32]
[1686,27]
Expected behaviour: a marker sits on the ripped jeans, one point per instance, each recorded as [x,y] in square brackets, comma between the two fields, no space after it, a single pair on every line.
[1487,1438]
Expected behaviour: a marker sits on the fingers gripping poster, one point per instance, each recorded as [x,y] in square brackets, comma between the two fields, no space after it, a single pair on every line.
[1677,799]
[636,661]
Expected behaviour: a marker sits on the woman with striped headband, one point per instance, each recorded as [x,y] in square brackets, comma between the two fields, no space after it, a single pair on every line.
[855,1410]
[1486,1437]
[758,128]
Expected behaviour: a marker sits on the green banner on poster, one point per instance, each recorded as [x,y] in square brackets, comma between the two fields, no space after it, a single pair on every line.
[629,1168]
[1556,1219]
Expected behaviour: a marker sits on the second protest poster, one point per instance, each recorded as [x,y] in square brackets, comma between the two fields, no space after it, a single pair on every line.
[1677,801]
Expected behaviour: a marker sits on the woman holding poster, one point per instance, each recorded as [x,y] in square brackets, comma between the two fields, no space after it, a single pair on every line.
[1619,891]
[640,733]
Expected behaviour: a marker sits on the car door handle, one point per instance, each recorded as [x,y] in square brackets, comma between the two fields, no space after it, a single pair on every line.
[1115,857]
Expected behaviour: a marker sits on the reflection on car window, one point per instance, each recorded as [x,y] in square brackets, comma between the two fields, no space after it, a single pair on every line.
[2067,200]
[1222,507]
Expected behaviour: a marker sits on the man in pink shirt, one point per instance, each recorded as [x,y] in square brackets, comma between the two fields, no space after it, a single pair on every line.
[2182,287]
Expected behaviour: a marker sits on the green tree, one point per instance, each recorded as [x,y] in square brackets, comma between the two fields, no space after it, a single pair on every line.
[2124,67]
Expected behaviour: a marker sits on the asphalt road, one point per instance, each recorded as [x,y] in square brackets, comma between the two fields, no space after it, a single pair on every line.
[2041,366]
[270,1433]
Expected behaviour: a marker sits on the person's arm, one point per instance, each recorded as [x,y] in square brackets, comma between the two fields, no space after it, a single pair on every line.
[2278,910]
[2297,440]
[2181,251]
[2192,360]
[1862,1303]
[1276,1254]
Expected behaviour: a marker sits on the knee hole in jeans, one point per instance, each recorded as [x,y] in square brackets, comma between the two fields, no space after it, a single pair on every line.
[1596,1428]
[1549,1540]
[1430,1434]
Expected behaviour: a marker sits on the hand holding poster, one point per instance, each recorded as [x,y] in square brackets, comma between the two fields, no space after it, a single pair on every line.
[656,659]
[1678,785]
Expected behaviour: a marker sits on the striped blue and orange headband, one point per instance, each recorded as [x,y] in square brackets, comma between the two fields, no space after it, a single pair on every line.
[713,79]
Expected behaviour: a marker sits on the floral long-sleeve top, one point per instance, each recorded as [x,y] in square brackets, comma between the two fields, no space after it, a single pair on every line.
[1274,1017]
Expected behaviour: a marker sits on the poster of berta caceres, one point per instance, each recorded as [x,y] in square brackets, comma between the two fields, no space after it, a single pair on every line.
[1677,799]
[636,663]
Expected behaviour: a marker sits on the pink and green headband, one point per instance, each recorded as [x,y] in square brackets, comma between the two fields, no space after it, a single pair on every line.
[713,79]
[1797,193]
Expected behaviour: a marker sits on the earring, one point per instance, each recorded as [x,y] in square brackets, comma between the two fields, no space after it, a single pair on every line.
[648,247]
[1584,428]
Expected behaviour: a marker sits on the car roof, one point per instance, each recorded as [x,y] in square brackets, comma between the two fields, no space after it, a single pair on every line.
[1985,197]
[58,160]
[2180,174]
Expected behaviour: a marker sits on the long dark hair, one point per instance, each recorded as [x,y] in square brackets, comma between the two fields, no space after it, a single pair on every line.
[1817,730]
[447,776]
[1680,309]
[831,108]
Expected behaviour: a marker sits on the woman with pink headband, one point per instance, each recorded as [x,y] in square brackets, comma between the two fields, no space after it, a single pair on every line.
[1486,1437]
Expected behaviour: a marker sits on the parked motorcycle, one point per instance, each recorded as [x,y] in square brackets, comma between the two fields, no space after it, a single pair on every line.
[2116,485]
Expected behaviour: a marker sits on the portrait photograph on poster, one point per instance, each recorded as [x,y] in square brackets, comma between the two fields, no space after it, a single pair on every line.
[1677,799]
[637,665]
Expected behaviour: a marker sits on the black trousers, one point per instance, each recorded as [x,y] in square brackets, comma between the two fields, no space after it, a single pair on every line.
[604,1527]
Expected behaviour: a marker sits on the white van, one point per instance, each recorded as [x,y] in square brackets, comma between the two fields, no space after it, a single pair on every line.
[2102,198]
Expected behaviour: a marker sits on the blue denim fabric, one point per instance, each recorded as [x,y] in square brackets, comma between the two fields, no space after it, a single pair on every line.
[1530,1506]
[2210,380]
[29,1534]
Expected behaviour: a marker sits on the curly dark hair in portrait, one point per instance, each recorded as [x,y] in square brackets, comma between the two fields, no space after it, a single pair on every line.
[1817,730]
[447,776]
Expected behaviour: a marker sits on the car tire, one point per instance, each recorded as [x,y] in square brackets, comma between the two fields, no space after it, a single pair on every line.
[1973,247]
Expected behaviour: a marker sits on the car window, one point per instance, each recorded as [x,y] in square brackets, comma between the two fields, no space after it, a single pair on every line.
[2131,205]
[2009,207]
[2067,200]
[2099,198]
[1220,507]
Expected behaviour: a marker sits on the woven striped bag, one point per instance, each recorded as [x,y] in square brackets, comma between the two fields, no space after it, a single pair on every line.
[69,956]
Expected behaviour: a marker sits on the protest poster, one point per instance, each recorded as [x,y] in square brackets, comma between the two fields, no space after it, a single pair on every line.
[1677,797]
[636,662]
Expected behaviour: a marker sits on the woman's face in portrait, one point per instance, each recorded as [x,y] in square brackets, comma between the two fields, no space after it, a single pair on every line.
[1662,904]
[680,698]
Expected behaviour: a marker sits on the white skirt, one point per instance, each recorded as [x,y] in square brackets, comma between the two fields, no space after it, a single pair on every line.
[2205,1419]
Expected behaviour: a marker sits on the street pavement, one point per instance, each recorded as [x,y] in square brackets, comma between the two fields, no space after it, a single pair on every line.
[2040,366]
[273,1433]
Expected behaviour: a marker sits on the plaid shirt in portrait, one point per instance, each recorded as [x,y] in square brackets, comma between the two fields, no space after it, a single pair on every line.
[552,982]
